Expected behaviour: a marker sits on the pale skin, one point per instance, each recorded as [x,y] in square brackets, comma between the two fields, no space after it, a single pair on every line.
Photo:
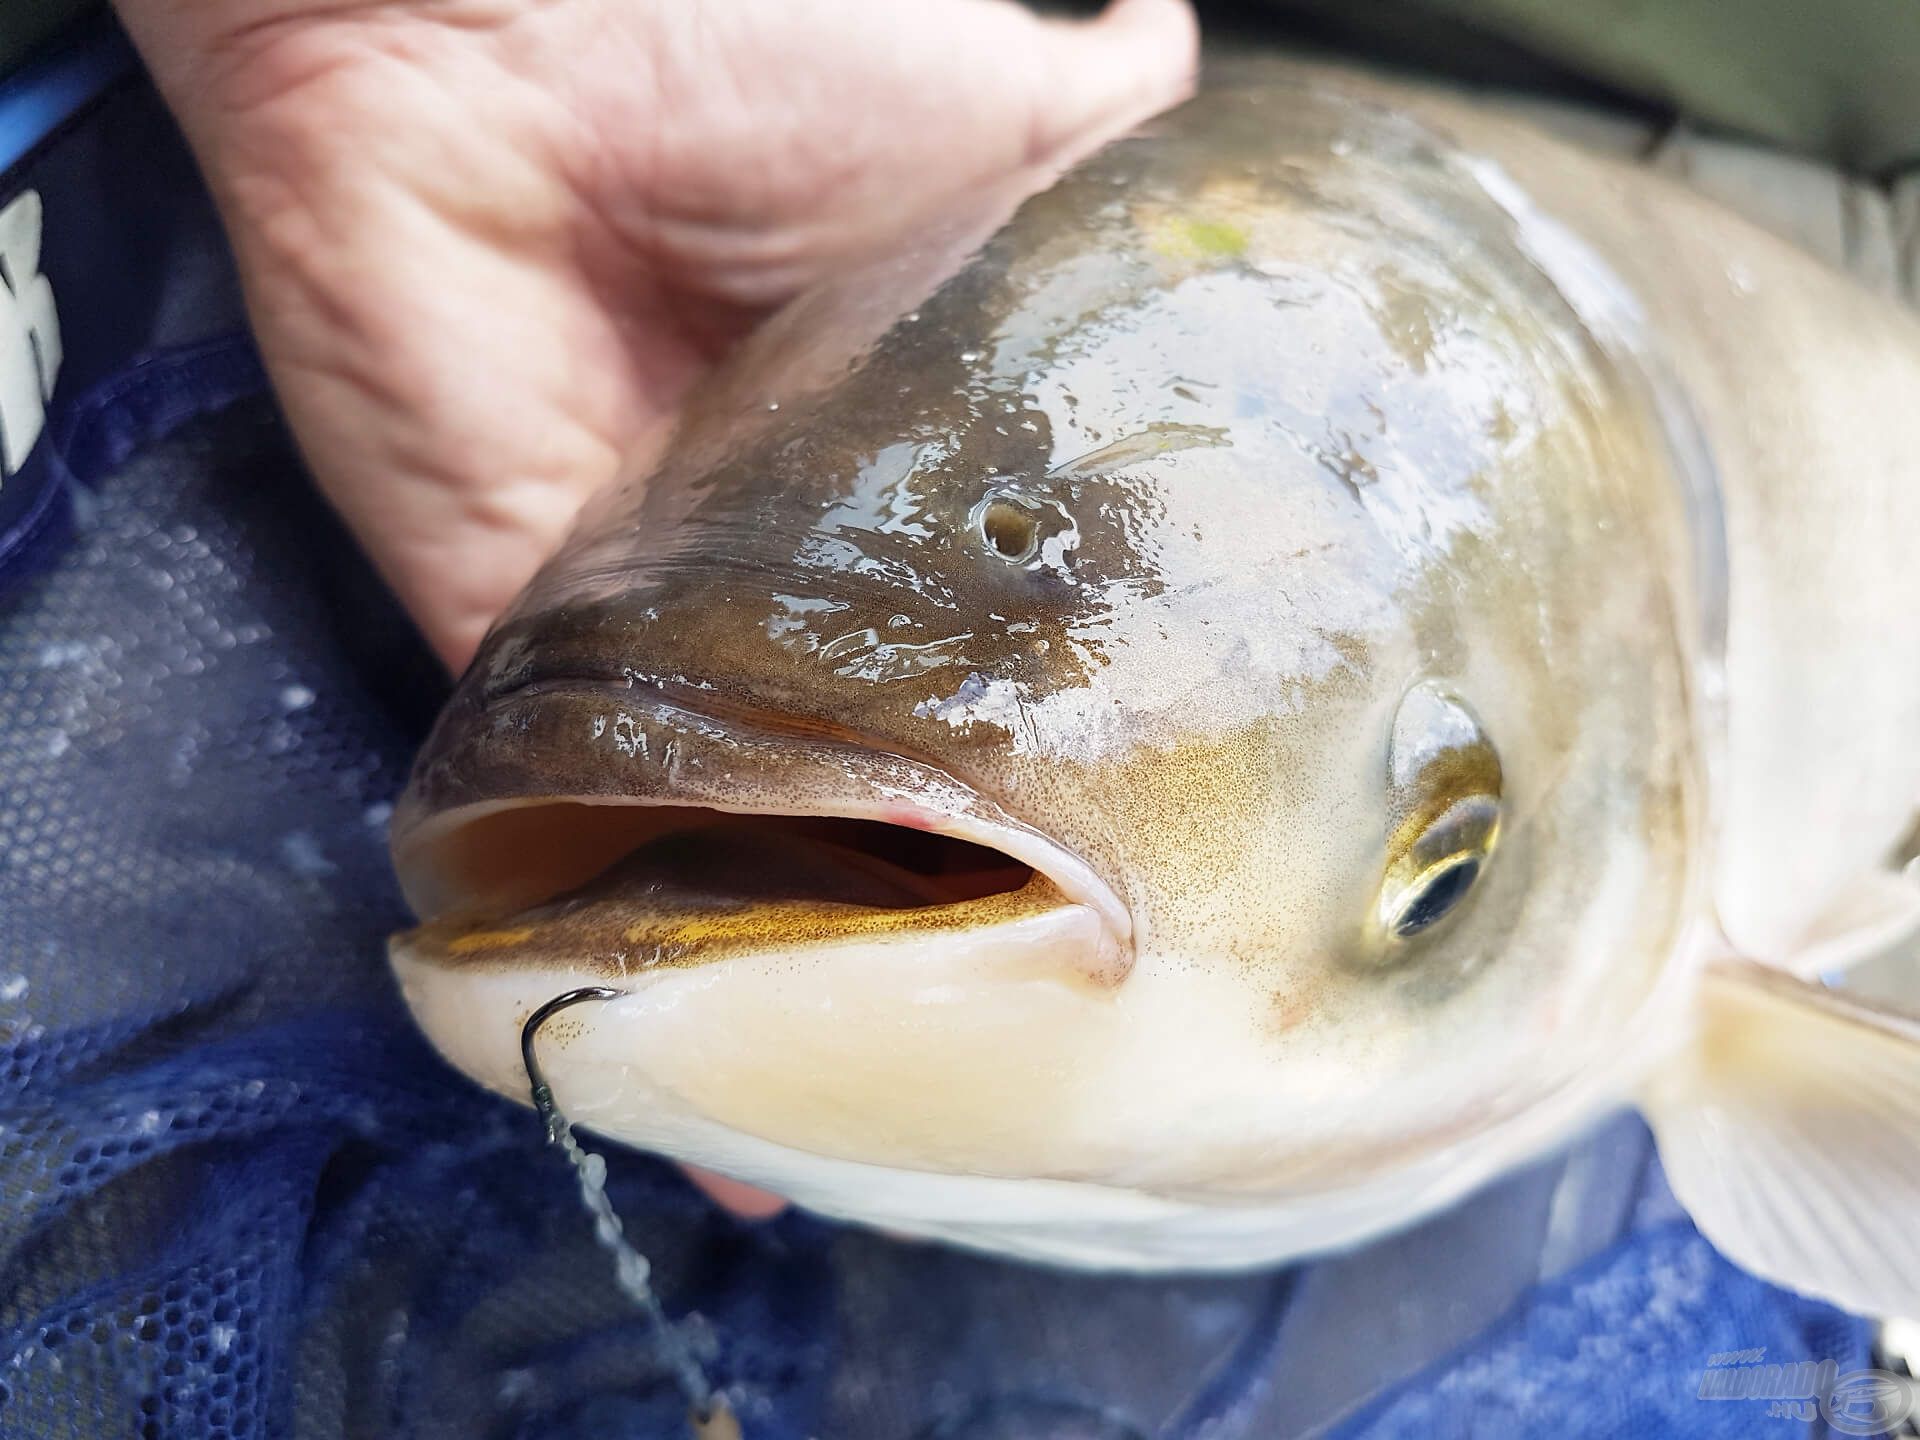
[487,245]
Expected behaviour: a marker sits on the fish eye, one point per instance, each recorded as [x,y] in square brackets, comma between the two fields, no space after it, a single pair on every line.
[1437,894]
[1444,792]
[1009,526]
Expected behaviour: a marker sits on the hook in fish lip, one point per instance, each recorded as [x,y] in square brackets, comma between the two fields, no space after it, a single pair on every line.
[542,1093]
[709,1417]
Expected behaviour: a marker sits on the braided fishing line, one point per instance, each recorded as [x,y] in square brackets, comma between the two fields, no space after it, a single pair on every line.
[708,1415]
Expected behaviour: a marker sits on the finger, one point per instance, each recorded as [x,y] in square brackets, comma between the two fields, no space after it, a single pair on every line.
[742,1200]
[907,113]
[1104,76]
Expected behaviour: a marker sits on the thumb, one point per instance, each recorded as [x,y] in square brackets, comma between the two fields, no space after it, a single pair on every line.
[1104,76]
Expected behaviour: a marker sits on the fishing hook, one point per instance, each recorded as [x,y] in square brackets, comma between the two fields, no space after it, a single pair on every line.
[708,1414]
[556,1123]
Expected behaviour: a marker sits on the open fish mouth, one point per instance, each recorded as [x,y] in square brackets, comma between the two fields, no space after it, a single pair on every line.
[706,831]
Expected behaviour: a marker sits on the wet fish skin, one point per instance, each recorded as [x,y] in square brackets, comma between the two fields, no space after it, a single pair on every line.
[1128,536]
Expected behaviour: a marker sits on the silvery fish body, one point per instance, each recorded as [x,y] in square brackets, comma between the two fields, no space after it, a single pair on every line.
[1344,640]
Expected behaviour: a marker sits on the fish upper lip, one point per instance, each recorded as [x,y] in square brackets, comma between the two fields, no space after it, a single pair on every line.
[708,707]
[982,821]
[501,690]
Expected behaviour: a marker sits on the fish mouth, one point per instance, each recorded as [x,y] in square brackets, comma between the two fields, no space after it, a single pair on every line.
[598,820]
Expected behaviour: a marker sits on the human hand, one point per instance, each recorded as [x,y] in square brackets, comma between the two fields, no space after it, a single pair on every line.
[488,244]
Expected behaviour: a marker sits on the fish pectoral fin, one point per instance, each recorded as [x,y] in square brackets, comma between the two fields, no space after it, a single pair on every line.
[1791,1132]
[1864,920]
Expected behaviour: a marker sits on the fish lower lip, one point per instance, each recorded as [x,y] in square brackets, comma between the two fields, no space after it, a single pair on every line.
[561,760]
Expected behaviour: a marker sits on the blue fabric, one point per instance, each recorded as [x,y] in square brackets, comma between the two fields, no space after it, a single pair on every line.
[127,247]
[1618,1348]
[240,1197]
[45,95]
[152,397]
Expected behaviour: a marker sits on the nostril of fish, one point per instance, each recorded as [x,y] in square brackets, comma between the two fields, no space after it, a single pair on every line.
[1009,525]
[1026,531]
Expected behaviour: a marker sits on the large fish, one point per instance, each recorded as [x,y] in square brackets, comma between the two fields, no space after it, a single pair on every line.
[1344,641]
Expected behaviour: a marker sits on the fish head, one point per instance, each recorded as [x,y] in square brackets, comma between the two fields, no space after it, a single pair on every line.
[1191,696]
